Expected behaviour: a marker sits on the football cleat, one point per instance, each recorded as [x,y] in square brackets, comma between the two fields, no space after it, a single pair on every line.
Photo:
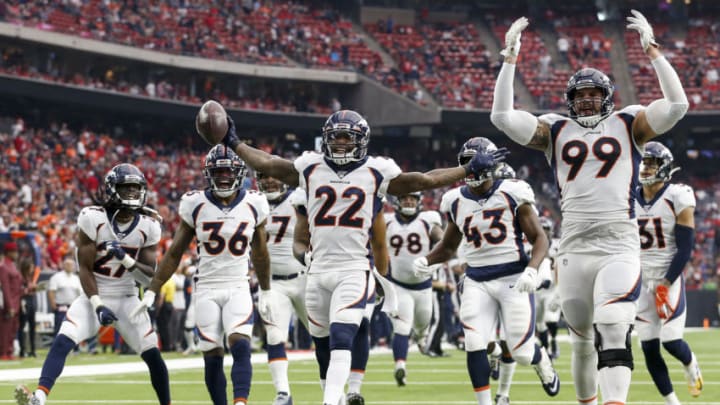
[283,398]
[694,377]
[400,377]
[546,372]
[23,396]
[501,400]
[353,398]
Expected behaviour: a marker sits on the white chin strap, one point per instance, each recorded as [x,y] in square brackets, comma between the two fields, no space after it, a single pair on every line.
[273,195]
[224,193]
[409,211]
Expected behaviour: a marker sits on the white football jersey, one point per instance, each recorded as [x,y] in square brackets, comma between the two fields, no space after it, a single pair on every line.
[596,168]
[223,234]
[656,220]
[408,241]
[280,228]
[111,277]
[492,239]
[342,203]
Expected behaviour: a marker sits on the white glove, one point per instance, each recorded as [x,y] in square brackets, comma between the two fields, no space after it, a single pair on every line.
[527,282]
[390,303]
[640,24]
[421,268]
[512,37]
[265,303]
[147,302]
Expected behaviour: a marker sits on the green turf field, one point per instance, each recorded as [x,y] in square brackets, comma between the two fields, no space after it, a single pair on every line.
[430,381]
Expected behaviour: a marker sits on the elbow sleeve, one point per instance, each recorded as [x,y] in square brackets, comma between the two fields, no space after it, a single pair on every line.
[519,125]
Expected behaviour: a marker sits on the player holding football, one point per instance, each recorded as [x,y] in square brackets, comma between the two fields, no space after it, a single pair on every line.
[116,246]
[667,235]
[344,188]
[229,224]
[595,153]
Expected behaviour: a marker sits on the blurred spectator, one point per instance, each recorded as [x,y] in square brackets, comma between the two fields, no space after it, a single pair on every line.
[28,306]
[64,286]
[11,281]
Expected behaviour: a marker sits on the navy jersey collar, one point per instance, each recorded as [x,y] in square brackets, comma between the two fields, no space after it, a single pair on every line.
[211,197]
[641,196]
[465,191]
[345,168]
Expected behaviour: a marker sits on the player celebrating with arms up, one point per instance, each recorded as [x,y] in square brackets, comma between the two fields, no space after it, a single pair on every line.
[595,154]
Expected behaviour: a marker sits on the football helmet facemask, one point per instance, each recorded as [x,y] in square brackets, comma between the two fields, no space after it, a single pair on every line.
[224,170]
[468,150]
[590,78]
[125,187]
[658,156]
[406,209]
[349,125]
[270,186]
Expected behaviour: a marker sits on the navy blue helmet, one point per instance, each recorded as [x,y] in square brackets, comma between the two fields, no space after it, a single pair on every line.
[661,156]
[224,170]
[352,124]
[471,148]
[407,211]
[504,171]
[118,182]
[584,78]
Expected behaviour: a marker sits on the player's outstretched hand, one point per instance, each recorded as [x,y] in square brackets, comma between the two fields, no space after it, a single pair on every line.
[639,23]
[231,139]
[527,282]
[265,303]
[512,37]
[421,267]
[482,162]
[147,302]
[662,302]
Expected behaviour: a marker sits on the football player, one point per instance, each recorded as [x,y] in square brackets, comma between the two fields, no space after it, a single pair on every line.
[344,188]
[229,224]
[595,153]
[116,246]
[547,313]
[411,232]
[667,236]
[287,279]
[489,217]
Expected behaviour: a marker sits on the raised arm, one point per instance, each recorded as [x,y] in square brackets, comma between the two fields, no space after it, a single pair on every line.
[521,126]
[661,115]
[272,165]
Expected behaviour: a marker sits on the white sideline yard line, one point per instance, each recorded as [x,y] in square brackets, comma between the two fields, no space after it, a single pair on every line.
[414,402]
[195,362]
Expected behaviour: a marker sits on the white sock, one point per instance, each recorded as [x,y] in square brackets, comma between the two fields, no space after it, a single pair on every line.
[483,397]
[355,381]
[583,365]
[671,399]
[322,385]
[614,383]
[41,395]
[190,340]
[337,375]
[506,375]
[400,364]
[279,372]
[497,350]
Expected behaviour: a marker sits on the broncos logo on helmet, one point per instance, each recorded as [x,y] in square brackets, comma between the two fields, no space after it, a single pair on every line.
[397,203]
[504,171]
[590,78]
[656,156]
[469,149]
[125,187]
[224,170]
[345,123]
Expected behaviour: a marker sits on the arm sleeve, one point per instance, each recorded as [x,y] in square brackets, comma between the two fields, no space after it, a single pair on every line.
[519,125]
[684,239]
[663,114]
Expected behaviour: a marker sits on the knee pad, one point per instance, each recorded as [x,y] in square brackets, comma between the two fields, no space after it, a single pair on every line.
[342,336]
[609,345]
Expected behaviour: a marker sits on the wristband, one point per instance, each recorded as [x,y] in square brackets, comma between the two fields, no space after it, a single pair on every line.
[127,262]
[96,302]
